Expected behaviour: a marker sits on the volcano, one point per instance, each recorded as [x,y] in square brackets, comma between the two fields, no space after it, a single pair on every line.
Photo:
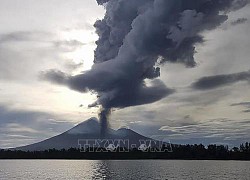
[89,129]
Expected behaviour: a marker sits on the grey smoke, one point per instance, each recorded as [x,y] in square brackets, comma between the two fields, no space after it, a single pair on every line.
[212,82]
[137,35]
[126,94]
[103,116]
[133,37]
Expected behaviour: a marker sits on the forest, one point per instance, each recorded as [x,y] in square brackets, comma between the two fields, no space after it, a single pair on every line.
[187,152]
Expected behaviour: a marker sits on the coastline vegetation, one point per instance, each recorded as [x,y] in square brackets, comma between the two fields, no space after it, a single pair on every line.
[185,152]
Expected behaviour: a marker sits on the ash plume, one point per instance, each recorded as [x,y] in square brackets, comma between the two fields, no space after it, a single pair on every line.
[103,116]
[135,37]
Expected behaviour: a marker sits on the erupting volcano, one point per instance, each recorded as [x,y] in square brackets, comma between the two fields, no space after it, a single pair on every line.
[135,38]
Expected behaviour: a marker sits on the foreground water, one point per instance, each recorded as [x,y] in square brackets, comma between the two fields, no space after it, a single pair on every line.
[141,169]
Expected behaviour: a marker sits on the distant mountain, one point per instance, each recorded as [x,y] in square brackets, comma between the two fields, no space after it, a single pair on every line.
[89,129]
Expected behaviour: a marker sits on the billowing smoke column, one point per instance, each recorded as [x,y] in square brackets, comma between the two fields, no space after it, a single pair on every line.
[137,35]
[103,116]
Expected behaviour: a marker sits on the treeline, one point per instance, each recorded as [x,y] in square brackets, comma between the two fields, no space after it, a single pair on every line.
[192,152]
[212,151]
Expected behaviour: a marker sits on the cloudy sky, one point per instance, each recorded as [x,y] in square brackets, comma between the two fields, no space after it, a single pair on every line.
[210,102]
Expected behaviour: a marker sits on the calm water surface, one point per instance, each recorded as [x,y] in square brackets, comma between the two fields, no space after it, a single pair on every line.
[124,170]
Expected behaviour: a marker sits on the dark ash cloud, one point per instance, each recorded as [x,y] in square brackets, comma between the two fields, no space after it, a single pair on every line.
[212,82]
[135,94]
[136,36]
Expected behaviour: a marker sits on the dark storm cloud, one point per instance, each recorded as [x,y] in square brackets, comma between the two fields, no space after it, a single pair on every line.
[212,82]
[246,111]
[134,37]
[239,21]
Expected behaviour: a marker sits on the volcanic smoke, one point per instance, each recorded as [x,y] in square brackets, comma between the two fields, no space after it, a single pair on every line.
[103,118]
[135,37]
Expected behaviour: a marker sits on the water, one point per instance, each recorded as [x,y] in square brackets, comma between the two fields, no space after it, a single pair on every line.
[123,170]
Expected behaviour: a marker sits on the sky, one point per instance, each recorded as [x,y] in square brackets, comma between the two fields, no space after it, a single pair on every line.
[210,102]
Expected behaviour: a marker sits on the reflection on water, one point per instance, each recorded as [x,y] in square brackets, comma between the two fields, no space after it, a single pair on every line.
[141,169]
[102,170]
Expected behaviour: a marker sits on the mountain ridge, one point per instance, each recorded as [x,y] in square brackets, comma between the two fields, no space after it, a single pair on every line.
[89,129]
